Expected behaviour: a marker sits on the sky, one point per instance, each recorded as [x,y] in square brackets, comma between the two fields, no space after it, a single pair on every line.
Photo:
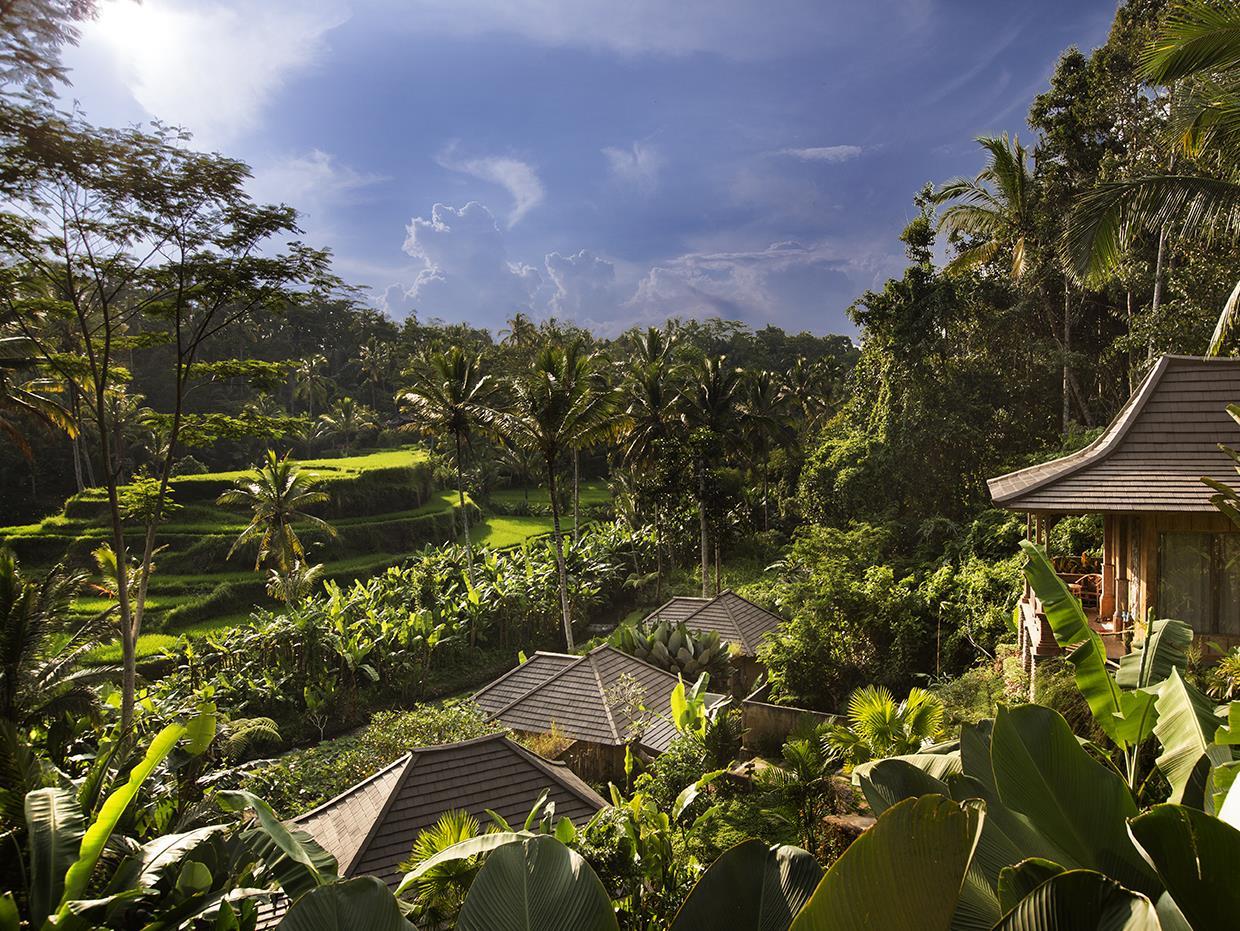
[609,162]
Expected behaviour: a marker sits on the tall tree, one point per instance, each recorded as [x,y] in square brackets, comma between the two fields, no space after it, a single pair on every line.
[554,408]
[708,407]
[764,418]
[136,244]
[451,394]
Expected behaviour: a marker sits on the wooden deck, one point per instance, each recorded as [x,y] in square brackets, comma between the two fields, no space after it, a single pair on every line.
[1041,638]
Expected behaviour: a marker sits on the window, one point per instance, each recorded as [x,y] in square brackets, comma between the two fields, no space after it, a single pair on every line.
[1199,580]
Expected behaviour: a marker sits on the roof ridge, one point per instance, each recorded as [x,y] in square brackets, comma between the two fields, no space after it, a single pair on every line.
[636,659]
[530,691]
[685,620]
[611,720]
[1102,446]
[317,809]
[380,816]
[514,669]
[745,644]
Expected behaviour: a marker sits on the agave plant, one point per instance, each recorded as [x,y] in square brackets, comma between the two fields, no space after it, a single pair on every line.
[676,649]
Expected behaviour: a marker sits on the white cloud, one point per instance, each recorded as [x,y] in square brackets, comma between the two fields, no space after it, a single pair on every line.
[466,273]
[316,184]
[518,178]
[211,67]
[584,286]
[799,285]
[637,166]
[824,153]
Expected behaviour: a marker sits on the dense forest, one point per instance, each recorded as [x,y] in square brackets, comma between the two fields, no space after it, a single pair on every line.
[261,540]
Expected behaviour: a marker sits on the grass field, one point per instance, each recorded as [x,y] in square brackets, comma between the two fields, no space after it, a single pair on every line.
[499,532]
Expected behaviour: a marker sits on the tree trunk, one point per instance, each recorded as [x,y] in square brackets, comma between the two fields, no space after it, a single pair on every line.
[460,494]
[716,565]
[658,554]
[576,496]
[766,495]
[702,517]
[561,570]
[1067,349]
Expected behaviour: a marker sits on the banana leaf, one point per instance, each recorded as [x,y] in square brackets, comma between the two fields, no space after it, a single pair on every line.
[1080,806]
[1020,879]
[904,874]
[1195,854]
[751,887]
[536,884]
[361,904]
[55,824]
[1152,659]
[1186,728]
[96,836]
[290,844]
[1081,900]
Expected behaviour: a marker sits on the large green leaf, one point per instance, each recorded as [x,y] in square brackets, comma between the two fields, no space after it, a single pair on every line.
[145,868]
[274,865]
[890,781]
[290,844]
[1196,856]
[361,904]
[10,919]
[751,887]
[463,850]
[1017,881]
[938,765]
[904,874]
[1081,900]
[1080,806]
[55,824]
[96,836]
[1071,629]
[536,884]
[1186,727]
[1153,658]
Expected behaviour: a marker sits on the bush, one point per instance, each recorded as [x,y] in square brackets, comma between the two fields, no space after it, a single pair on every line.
[303,779]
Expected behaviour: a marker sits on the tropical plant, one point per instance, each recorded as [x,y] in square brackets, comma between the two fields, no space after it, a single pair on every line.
[799,784]
[1223,679]
[708,407]
[43,673]
[437,893]
[556,407]
[346,420]
[311,382]
[294,583]
[278,494]
[25,395]
[877,725]
[450,395]
[674,648]
[765,420]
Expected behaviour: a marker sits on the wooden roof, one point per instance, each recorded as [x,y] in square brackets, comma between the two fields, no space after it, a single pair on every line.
[371,827]
[735,619]
[578,699]
[1153,454]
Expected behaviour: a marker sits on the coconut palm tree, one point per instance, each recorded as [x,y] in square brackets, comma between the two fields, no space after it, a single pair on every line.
[311,382]
[807,389]
[708,408]
[347,420]
[764,418]
[42,648]
[450,395]
[1198,50]
[555,407]
[879,726]
[278,494]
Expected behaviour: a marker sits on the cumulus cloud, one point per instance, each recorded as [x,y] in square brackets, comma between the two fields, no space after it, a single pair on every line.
[637,166]
[583,286]
[210,67]
[466,273]
[518,178]
[824,153]
[797,284]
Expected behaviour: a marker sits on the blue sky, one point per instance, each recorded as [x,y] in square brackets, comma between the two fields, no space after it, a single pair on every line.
[607,162]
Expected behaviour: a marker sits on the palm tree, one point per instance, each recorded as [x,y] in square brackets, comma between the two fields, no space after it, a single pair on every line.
[450,395]
[807,390]
[438,893]
[374,358]
[708,408]
[764,416]
[278,494]
[347,420]
[878,726]
[802,781]
[1198,50]
[21,395]
[555,408]
[311,383]
[42,650]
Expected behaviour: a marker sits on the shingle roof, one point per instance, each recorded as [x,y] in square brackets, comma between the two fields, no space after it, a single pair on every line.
[370,828]
[735,619]
[1153,454]
[520,679]
[579,701]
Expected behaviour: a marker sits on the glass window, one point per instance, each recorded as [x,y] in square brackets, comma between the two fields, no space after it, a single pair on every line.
[1184,569]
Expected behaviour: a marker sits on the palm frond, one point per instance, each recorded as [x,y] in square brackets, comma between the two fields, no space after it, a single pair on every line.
[1197,36]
